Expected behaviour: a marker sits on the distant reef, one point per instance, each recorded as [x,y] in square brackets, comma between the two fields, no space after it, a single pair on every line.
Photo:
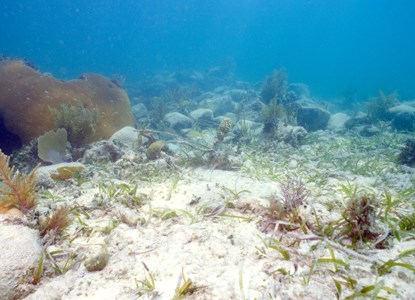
[32,103]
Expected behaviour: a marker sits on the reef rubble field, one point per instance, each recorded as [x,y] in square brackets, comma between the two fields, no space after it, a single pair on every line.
[166,230]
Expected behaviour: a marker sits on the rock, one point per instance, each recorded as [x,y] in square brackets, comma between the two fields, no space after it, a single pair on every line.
[301,90]
[127,136]
[403,121]
[402,108]
[360,119]
[178,121]
[337,122]
[312,118]
[27,98]
[97,259]
[403,117]
[63,171]
[237,95]
[203,117]
[102,151]
[139,111]
[290,135]
[220,105]
[141,114]
[293,164]
[19,254]
[369,130]
[15,212]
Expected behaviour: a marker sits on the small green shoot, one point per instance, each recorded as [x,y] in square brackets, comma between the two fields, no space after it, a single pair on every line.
[71,262]
[37,274]
[336,262]
[349,189]
[388,203]
[373,291]
[183,287]
[383,269]
[173,186]
[47,194]
[246,219]
[310,273]
[276,245]
[241,283]
[235,194]
[338,288]
[146,285]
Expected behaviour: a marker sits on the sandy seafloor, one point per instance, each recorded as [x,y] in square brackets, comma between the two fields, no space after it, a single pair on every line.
[206,226]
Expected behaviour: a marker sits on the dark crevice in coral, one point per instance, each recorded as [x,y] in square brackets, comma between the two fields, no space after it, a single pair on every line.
[8,140]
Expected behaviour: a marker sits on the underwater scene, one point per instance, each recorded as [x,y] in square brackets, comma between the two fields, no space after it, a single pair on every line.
[249,149]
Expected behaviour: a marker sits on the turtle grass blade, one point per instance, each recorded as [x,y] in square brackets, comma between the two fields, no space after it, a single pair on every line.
[332,260]
[390,264]
[393,263]
[366,292]
[38,272]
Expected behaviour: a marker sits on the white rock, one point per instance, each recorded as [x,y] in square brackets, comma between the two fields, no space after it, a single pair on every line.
[402,108]
[19,253]
[44,174]
[127,135]
[202,116]
[337,121]
[178,121]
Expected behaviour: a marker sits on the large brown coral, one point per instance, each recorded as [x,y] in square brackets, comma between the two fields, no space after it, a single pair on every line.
[27,97]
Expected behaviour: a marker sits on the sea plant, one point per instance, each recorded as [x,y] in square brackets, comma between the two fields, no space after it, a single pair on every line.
[294,194]
[126,194]
[183,288]
[358,222]
[397,262]
[179,98]
[407,154]
[158,110]
[62,261]
[223,129]
[272,115]
[17,190]
[378,107]
[234,192]
[38,272]
[275,87]
[56,222]
[146,285]
[173,186]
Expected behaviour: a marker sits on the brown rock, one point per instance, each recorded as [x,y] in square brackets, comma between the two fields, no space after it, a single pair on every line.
[15,212]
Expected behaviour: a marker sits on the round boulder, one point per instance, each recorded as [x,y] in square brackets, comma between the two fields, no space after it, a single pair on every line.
[178,121]
[403,117]
[313,118]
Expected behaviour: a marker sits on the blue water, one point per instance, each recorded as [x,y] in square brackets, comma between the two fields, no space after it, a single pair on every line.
[330,45]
